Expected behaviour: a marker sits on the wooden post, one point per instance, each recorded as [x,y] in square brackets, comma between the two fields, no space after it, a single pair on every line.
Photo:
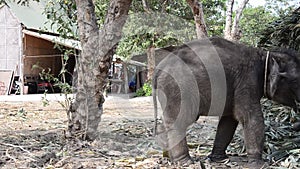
[126,87]
[138,81]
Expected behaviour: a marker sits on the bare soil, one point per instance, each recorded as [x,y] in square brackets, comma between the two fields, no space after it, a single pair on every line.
[33,136]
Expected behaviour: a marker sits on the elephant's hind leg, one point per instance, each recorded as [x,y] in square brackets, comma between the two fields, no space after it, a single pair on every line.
[225,131]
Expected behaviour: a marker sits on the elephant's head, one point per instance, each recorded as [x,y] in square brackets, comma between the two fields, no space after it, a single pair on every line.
[284,78]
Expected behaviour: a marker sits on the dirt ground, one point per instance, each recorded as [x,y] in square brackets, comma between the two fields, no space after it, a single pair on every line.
[33,136]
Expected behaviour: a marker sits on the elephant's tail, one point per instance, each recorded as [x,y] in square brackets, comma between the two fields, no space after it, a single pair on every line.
[154,94]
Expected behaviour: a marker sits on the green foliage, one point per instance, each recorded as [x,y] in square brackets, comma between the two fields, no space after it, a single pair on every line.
[58,82]
[284,32]
[214,16]
[62,17]
[144,29]
[100,10]
[281,7]
[256,20]
[213,12]
[253,22]
[281,140]
[22,113]
[140,92]
[45,101]
[146,90]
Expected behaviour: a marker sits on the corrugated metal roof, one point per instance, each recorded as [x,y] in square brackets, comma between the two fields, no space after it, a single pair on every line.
[32,16]
[55,39]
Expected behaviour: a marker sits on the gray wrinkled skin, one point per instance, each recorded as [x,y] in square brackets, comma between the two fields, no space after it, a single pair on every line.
[218,77]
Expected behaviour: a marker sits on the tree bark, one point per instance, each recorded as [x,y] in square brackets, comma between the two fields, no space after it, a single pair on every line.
[228,24]
[236,32]
[197,9]
[93,64]
[232,31]
[145,6]
[151,62]
[151,49]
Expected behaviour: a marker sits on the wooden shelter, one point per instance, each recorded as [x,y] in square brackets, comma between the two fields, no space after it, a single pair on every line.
[27,40]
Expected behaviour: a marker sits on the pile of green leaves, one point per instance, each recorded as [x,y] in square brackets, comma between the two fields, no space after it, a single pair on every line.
[282,143]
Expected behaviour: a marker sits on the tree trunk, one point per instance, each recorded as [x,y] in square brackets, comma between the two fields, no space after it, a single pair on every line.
[151,49]
[228,24]
[145,6]
[232,30]
[93,64]
[151,62]
[236,32]
[197,9]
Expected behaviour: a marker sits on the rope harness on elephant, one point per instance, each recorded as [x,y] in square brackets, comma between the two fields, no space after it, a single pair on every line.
[266,72]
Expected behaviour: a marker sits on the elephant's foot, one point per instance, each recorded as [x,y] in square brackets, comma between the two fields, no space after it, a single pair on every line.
[256,164]
[218,158]
[180,152]
[184,160]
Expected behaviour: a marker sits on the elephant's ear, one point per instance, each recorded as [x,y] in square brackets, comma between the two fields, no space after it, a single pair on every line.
[274,77]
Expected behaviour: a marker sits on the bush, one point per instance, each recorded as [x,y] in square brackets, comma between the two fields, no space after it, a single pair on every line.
[146,90]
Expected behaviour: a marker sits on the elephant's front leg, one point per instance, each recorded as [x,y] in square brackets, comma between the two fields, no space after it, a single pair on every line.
[252,119]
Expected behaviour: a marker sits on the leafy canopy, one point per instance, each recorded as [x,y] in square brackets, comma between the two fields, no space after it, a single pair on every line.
[165,24]
[253,22]
[284,32]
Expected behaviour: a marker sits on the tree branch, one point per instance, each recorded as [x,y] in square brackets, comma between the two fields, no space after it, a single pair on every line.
[228,24]
[197,9]
[146,6]
[235,33]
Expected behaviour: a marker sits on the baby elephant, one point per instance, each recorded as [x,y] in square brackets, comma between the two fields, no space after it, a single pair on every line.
[216,77]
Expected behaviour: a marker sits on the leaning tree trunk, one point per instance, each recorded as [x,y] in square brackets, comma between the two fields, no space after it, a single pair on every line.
[236,32]
[197,9]
[93,64]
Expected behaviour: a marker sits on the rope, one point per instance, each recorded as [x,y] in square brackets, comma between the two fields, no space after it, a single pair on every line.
[266,72]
